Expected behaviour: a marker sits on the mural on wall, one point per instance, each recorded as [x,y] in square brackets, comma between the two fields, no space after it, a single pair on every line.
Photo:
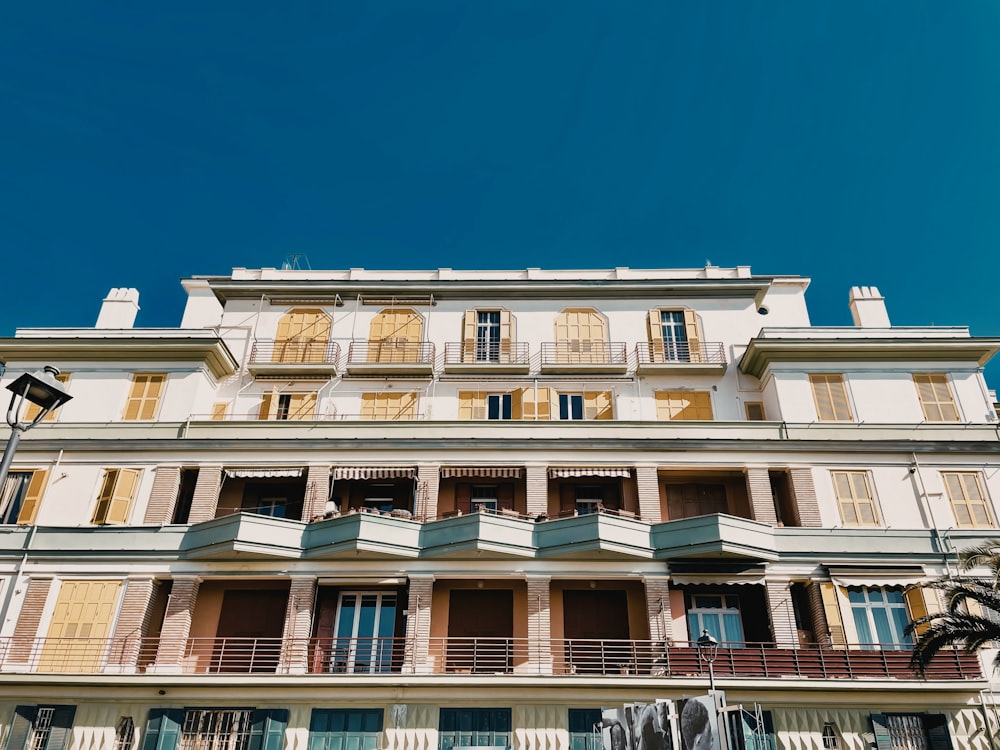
[640,726]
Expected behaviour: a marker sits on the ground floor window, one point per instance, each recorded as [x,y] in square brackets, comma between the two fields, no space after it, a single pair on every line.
[583,731]
[215,729]
[480,727]
[345,729]
[40,727]
[719,614]
[221,729]
[911,731]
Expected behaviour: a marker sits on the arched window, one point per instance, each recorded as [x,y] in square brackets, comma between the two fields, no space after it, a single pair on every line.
[395,335]
[302,336]
[581,336]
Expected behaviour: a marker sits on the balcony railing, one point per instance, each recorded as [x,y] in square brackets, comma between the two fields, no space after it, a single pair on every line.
[292,353]
[680,353]
[390,352]
[469,655]
[585,354]
[486,353]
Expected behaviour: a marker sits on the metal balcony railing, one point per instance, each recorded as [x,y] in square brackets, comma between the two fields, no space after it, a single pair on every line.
[390,352]
[566,657]
[584,352]
[295,352]
[486,353]
[667,352]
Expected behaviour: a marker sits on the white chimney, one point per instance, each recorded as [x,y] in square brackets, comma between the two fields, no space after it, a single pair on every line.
[119,309]
[868,308]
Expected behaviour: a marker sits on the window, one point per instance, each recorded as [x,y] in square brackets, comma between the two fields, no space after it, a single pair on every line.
[144,397]
[125,733]
[880,617]
[830,395]
[302,337]
[366,623]
[215,729]
[855,498]
[40,727]
[380,497]
[674,336]
[719,614]
[936,398]
[345,729]
[694,499]
[583,731]
[581,337]
[85,610]
[754,411]
[114,501]
[485,497]
[389,406]
[21,495]
[911,732]
[31,410]
[830,739]
[498,406]
[749,730]
[684,405]
[488,336]
[588,499]
[968,500]
[570,406]
[483,727]
[288,406]
[395,335]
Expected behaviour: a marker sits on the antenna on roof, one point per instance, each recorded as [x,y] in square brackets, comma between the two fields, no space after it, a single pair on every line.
[295,262]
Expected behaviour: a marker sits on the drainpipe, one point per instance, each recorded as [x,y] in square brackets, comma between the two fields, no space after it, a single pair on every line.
[928,508]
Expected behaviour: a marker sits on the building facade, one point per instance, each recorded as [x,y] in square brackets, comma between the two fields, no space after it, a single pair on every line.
[418,510]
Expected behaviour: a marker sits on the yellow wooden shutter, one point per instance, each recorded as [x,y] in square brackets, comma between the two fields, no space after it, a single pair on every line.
[597,405]
[407,406]
[302,406]
[84,612]
[219,409]
[830,395]
[144,396]
[33,496]
[684,405]
[104,495]
[831,608]
[654,325]
[936,398]
[265,407]
[395,336]
[469,336]
[692,326]
[122,496]
[31,410]
[507,336]
[517,398]
[535,404]
[368,405]
[465,404]
[921,602]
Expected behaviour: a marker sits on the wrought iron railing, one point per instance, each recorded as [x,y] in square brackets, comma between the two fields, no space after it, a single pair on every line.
[486,353]
[398,351]
[584,352]
[668,352]
[295,352]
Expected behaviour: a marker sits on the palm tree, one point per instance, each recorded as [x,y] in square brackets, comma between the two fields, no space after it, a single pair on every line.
[970,628]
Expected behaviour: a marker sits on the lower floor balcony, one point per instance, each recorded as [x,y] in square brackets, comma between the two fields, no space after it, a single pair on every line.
[584,658]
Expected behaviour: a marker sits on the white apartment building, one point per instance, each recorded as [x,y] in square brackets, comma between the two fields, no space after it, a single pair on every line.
[414,510]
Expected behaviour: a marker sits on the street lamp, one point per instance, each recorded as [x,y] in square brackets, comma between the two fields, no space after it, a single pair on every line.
[39,388]
[708,650]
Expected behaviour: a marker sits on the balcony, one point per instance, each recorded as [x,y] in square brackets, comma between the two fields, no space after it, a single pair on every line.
[584,357]
[486,357]
[294,358]
[342,657]
[675,358]
[391,357]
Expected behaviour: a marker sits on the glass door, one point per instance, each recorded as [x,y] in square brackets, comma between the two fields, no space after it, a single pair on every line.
[366,622]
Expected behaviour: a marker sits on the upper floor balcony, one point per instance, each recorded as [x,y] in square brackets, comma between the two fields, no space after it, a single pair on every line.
[680,357]
[486,357]
[584,357]
[294,357]
[391,356]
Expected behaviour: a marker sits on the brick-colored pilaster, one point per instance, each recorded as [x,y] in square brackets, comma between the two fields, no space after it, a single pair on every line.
[317,491]
[779,604]
[177,624]
[804,492]
[537,488]
[821,629]
[163,496]
[298,625]
[539,625]
[428,483]
[648,484]
[29,618]
[133,622]
[418,625]
[206,494]
[658,608]
[761,497]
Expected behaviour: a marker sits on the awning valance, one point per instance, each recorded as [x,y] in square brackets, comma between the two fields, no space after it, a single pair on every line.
[590,471]
[847,576]
[717,579]
[374,472]
[494,472]
[263,473]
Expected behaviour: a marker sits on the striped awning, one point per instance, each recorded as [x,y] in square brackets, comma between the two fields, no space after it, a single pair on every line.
[263,473]
[590,471]
[493,472]
[717,579]
[888,576]
[374,472]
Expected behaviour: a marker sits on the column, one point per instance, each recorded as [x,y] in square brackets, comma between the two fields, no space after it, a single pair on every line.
[537,489]
[28,619]
[761,497]
[133,623]
[648,484]
[428,482]
[298,625]
[804,492]
[177,624]
[163,496]
[418,625]
[539,625]
[658,607]
[317,491]
[206,494]
[779,604]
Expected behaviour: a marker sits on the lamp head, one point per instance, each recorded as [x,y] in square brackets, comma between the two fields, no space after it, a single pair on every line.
[41,388]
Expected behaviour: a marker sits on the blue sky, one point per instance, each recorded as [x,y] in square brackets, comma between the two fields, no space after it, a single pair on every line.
[856,143]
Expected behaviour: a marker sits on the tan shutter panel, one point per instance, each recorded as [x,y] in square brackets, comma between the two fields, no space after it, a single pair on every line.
[104,495]
[692,326]
[469,337]
[507,336]
[33,497]
[465,404]
[219,409]
[265,406]
[662,404]
[838,396]
[654,325]
[122,496]
[302,406]
[543,403]
[921,602]
[134,396]
[597,405]
[84,610]
[831,608]
[407,406]
[282,337]
[517,398]
[479,406]
[154,388]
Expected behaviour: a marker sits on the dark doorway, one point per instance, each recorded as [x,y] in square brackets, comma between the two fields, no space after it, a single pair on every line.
[248,638]
[480,630]
[596,626]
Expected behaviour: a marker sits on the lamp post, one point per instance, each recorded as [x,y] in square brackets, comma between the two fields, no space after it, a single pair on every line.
[39,388]
[708,650]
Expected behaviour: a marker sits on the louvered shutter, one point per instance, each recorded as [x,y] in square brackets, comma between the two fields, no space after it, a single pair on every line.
[105,495]
[163,729]
[937,731]
[20,728]
[465,404]
[654,325]
[122,496]
[597,405]
[916,606]
[880,726]
[517,403]
[62,726]
[692,326]
[302,407]
[267,729]
[33,497]
[831,608]
[469,336]
[507,336]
